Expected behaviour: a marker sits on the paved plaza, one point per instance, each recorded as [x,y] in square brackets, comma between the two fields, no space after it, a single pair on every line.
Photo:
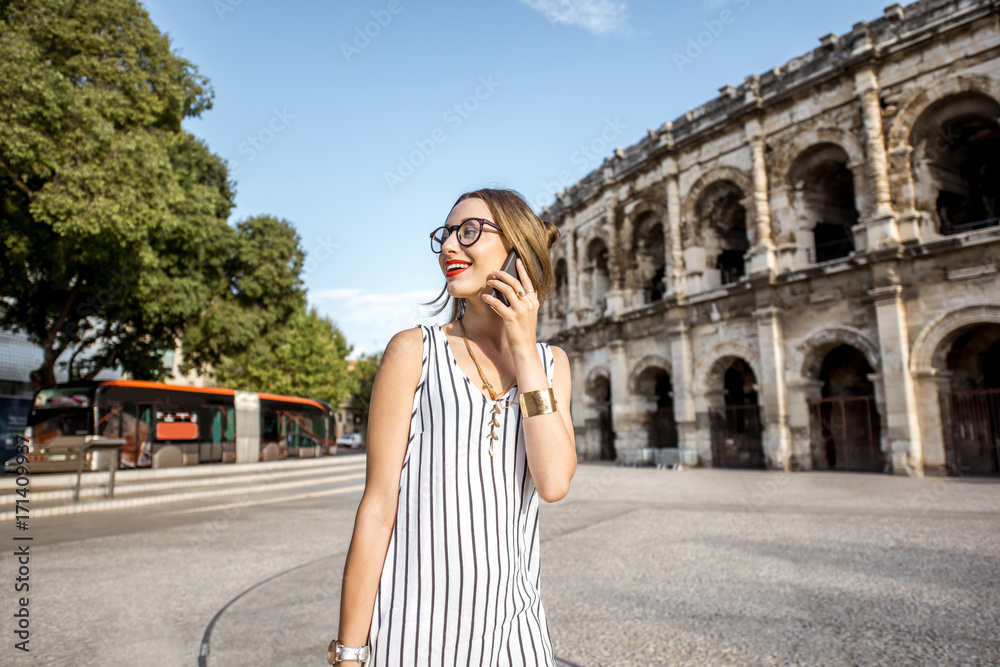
[639,567]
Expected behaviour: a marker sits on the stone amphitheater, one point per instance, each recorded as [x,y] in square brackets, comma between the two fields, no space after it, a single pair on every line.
[802,273]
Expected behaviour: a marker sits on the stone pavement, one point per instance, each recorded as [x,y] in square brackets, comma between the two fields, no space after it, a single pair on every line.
[639,567]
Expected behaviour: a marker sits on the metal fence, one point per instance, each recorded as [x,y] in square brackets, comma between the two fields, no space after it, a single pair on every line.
[972,431]
[737,437]
[846,434]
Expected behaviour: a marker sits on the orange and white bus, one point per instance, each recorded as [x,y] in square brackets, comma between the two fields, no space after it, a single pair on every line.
[164,425]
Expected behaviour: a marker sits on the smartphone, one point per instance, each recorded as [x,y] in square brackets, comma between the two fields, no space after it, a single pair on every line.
[509,266]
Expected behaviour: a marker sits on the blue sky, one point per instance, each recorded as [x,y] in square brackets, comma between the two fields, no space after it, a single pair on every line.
[361,122]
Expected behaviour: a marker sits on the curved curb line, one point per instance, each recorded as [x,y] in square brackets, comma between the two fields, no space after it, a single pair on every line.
[203,653]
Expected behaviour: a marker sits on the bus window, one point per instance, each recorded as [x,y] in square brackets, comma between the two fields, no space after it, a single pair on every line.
[138,443]
[217,425]
[272,427]
[230,424]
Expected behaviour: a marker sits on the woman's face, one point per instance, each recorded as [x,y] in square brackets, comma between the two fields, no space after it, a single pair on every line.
[467,268]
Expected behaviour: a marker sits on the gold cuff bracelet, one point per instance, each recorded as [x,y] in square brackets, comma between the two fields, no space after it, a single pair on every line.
[534,403]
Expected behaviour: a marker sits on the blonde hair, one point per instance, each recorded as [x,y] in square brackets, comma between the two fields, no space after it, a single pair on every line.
[530,236]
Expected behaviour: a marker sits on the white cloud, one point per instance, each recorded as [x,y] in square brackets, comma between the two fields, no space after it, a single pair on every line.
[601,17]
[368,320]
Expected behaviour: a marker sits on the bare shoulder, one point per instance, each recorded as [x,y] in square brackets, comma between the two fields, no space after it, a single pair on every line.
[560,360]
[403,355]
[559,355]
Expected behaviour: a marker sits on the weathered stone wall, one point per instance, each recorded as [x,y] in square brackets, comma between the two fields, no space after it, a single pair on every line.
[745,271]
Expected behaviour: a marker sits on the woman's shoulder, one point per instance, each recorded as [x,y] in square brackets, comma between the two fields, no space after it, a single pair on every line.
[404,351]
[557,352]
[406,340]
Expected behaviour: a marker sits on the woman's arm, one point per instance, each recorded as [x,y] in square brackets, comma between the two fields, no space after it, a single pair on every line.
[549,442]
[388,431]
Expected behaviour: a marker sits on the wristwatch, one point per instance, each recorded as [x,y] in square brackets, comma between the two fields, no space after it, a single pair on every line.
[338,653]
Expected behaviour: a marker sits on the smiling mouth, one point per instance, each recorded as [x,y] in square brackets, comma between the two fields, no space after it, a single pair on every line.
[455,268]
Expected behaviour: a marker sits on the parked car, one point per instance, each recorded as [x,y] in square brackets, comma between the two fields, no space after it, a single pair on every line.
[349,440]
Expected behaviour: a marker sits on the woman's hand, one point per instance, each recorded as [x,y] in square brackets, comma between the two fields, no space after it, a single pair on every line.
[521,316]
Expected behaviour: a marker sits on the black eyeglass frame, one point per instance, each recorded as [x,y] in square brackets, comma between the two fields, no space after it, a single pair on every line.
[454,228]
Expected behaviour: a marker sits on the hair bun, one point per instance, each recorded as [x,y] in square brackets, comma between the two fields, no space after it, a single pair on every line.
[552,232]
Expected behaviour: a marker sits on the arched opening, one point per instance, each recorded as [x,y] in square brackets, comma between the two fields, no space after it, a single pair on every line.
[824,194]
[845,423]
[599,272]
[971,410]
[722,214]
[736,429]
[957,162]
[655,385]
[599,391]
[650,257]
[561,295]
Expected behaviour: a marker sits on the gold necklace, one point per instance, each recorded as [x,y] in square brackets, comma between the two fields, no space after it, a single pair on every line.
[488,386]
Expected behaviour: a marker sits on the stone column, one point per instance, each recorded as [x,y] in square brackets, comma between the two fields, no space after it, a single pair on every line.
[902,186]
[800,423]
[777,440]
[621,404]
[627,282]
[572,270]
[900,399]
[880,229]
[761,255]
[682,378]
[616,295]
[577,410]
[673,241]
[581,303]
[931,386]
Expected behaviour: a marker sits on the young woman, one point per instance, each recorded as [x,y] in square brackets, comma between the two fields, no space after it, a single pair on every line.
[469,425]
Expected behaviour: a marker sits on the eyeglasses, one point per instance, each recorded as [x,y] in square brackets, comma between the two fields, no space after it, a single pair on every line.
[468,233]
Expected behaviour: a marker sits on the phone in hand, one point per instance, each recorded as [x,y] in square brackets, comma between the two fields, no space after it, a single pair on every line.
[509,266]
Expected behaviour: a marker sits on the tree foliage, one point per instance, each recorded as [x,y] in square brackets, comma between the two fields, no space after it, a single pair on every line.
[306,357]
[113,232]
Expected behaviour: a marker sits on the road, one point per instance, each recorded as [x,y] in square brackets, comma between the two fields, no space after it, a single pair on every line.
[639,567]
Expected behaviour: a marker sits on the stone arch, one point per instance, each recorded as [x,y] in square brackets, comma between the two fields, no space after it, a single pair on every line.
[597,233]
[931,345]
[647,362]
[901,168]
[843,139]
[559,299]
[639,207]
[708,373]
[824,135]
[724,173]
[594,376]
[809,355]
[922,99]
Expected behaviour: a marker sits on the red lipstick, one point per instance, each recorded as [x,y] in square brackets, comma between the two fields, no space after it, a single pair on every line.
[453,267]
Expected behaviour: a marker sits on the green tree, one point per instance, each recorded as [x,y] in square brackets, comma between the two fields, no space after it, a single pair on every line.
[258,290]
[113,233]
[364,379]
[306,357]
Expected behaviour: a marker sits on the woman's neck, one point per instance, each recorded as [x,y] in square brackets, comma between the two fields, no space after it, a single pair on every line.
[483,325]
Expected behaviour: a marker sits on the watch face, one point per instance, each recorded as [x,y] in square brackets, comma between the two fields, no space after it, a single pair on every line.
[333,653]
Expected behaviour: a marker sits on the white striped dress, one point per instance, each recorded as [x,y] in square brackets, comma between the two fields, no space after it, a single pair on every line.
[460,581]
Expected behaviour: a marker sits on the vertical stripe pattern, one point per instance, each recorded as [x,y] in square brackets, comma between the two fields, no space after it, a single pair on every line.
[460,585]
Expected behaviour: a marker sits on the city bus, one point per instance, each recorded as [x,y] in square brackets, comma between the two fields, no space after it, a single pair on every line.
[166,425]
